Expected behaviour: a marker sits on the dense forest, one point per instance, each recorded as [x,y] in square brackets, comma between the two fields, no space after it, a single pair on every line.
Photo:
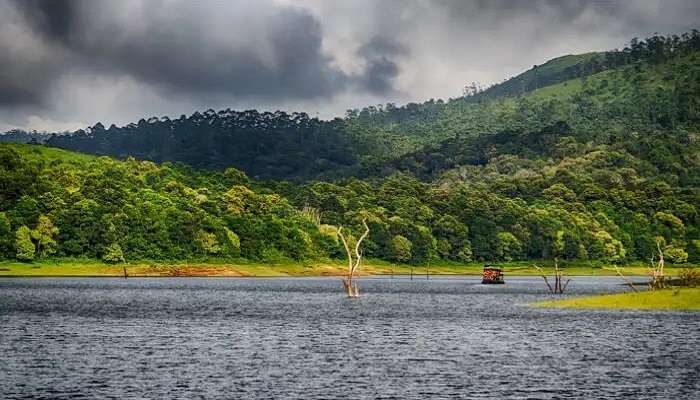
[266,145]
[591,157]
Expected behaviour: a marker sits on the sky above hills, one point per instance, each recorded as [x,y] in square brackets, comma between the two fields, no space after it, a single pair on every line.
[68,64]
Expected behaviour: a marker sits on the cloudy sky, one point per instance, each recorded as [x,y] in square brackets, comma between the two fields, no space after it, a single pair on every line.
[68,64]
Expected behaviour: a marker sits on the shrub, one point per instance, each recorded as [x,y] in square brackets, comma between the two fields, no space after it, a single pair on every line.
[689,277]
[113,254]
[24,245]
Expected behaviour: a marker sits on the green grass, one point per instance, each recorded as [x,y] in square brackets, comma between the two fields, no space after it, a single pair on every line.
[669,299]
[48,154]
[217,267]
[552,72]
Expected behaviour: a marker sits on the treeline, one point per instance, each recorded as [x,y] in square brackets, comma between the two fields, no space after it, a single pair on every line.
[265,145]
[650,85]
[655,49]
[20,136]
[577,201]
[58,203]
[602,167]
[590,206]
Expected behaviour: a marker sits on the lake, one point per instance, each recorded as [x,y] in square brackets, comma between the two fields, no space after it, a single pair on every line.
[447,337]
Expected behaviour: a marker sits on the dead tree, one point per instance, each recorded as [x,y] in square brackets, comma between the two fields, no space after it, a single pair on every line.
[626,279]
[656,271]
[353,261]
[558,288]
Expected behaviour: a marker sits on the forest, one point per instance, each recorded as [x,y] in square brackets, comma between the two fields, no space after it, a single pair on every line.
[588,158]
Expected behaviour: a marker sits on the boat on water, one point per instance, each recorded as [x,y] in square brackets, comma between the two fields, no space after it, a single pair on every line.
[492,275]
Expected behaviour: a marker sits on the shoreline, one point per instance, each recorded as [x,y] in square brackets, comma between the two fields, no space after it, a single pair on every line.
[417,277]
[61,267]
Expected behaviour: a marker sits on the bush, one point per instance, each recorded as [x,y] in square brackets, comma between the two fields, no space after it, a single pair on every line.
[689,277]
[24,245]
[675,255]
[113,254]
[401,248]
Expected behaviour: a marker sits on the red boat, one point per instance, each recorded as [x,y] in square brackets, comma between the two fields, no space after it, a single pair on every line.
[492,275]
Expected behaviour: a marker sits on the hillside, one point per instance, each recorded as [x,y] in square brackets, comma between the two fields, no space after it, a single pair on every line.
[265,145]
[651,112]
[599,168]
[649,86]
[590,207]
[655,75]
[69,204]
[556,70]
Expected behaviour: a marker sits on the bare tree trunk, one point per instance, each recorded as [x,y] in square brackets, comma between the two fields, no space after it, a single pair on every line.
[546,281]
[626,279]
[658,280]
[353,262]
[558,277]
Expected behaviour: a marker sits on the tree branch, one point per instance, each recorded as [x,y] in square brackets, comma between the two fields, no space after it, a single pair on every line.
[347,249]
[629,282]
[544,277]
[357,247]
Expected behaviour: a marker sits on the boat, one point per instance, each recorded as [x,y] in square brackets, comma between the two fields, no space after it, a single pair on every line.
[492,275]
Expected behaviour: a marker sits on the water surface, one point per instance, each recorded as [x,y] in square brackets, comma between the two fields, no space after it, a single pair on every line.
[301,338]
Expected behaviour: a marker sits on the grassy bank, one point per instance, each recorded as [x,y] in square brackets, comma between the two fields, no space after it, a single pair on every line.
[669,299]
[86,267]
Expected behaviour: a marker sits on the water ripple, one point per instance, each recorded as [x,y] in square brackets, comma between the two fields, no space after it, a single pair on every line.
[300,338]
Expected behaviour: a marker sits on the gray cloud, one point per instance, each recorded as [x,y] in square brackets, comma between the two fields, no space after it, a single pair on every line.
[67,62]
[181,47]
[53,19]
[380,55]
[28,65]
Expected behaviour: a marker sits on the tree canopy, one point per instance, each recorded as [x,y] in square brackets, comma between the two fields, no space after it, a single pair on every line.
[596,159]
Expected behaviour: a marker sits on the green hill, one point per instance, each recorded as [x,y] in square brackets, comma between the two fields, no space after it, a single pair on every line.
[650,85]
[557,70]
[597,169]
[640,97]
[591,206]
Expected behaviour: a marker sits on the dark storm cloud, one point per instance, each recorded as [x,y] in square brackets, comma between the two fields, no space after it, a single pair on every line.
[380,55]
[176,55]
[28,66]
[181,48]
[54,18]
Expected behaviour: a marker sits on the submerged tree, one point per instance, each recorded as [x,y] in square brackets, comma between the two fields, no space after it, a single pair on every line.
[558,287]
[353,261]
[656,270]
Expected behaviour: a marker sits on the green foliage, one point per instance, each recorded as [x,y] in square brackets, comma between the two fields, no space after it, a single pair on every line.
[675,255]
[208,243]
[401,248]
[689,277]
[266,145]
[607,248]
[44,236]
[585,157]
[113,254]
[232,243]
[6,237]
[24,245]
[694,250]
[508,247]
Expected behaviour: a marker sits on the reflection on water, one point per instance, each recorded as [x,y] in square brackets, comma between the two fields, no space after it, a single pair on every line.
[301,338]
